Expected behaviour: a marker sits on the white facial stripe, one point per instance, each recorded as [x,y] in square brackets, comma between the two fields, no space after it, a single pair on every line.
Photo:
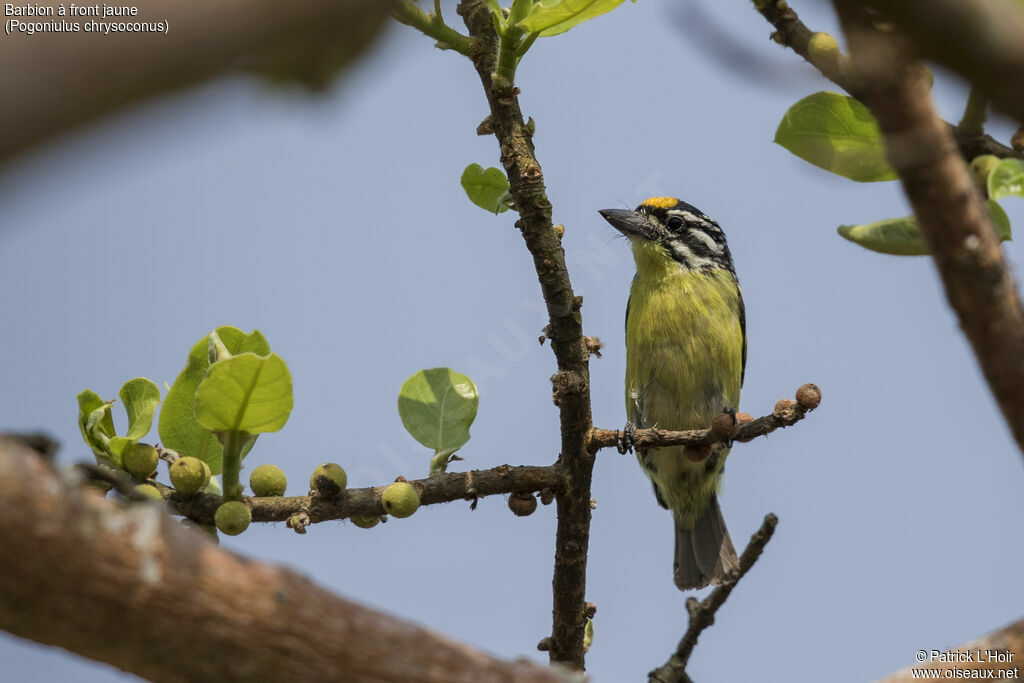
[707,239]
[686,256]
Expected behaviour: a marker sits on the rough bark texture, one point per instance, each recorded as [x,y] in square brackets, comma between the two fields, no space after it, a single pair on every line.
[128,586]
[949,210]
[571,384]
[52,81]
[982,40]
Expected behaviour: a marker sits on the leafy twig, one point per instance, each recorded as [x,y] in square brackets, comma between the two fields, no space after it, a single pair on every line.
[794,34]
[440,488]
[950,212]
[408,13]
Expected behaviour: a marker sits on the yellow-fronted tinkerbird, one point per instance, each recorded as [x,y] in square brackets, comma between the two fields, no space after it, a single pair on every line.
[686,350]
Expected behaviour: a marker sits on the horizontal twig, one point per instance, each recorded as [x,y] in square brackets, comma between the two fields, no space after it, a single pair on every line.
[440,488]
[787,412]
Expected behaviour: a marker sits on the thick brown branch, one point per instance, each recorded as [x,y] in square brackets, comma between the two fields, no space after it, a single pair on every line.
[440,488]
[949,210]
[702,613]
[1006,644]
[795,35]
[126,585]
[52,81]
[572,381]
[983,41]
[786,413]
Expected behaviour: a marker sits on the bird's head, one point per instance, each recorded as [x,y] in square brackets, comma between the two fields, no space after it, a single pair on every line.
[666,230]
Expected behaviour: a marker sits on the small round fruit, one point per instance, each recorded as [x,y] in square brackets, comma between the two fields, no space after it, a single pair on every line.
[823,48]
[149,491]
[328,480]
[981,167]
[140,460]
[400,499]
[188,474]
[522,504]
[808,396]
[233,517]
[268,480]
[367,522]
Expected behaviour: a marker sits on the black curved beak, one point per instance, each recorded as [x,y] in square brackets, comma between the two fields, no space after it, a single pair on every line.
[628,222]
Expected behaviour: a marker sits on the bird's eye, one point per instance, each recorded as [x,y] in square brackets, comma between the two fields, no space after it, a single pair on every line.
[674,223]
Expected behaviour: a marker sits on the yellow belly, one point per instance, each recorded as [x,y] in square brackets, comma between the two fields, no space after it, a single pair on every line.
[684,365]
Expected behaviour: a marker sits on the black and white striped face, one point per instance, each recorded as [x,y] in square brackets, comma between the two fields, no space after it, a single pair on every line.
[690,237]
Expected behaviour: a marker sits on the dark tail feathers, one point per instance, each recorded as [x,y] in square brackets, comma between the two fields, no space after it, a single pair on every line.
[704,554]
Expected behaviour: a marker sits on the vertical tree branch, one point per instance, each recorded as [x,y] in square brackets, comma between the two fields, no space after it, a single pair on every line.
[949,209]
[572,381]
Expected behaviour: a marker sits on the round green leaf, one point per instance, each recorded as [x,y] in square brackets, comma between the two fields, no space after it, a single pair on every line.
[178,427]
[437,407]
[488,188]
[837,133]
[245,393]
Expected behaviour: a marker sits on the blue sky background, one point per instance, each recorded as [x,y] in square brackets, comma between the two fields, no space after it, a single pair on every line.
[336,225]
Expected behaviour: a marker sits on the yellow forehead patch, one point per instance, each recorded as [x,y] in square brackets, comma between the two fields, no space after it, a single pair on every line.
[660,202]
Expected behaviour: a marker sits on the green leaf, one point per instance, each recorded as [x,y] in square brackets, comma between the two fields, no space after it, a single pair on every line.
[1000,221]
[488,189]
[836,133]
[97,427]
[901,236]
[1006,179]
[245,393]
[178,426]
[437,407]
[140,398]
[551,17]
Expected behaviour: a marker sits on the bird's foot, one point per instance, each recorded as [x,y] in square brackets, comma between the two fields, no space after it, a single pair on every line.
[731,412]
[626,439]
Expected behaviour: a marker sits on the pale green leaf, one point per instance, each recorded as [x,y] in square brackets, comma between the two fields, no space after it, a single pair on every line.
[178,426]
[97,427]
[551,17]
[245,393]
[437,407]
[1006,179]
[488,188]
[901,236]
[140,398]
[836,133]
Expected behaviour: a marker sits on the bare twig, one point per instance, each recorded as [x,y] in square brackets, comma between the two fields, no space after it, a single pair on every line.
[128,586]
[571,383]
[702,613]
[949,210]
[794,34]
